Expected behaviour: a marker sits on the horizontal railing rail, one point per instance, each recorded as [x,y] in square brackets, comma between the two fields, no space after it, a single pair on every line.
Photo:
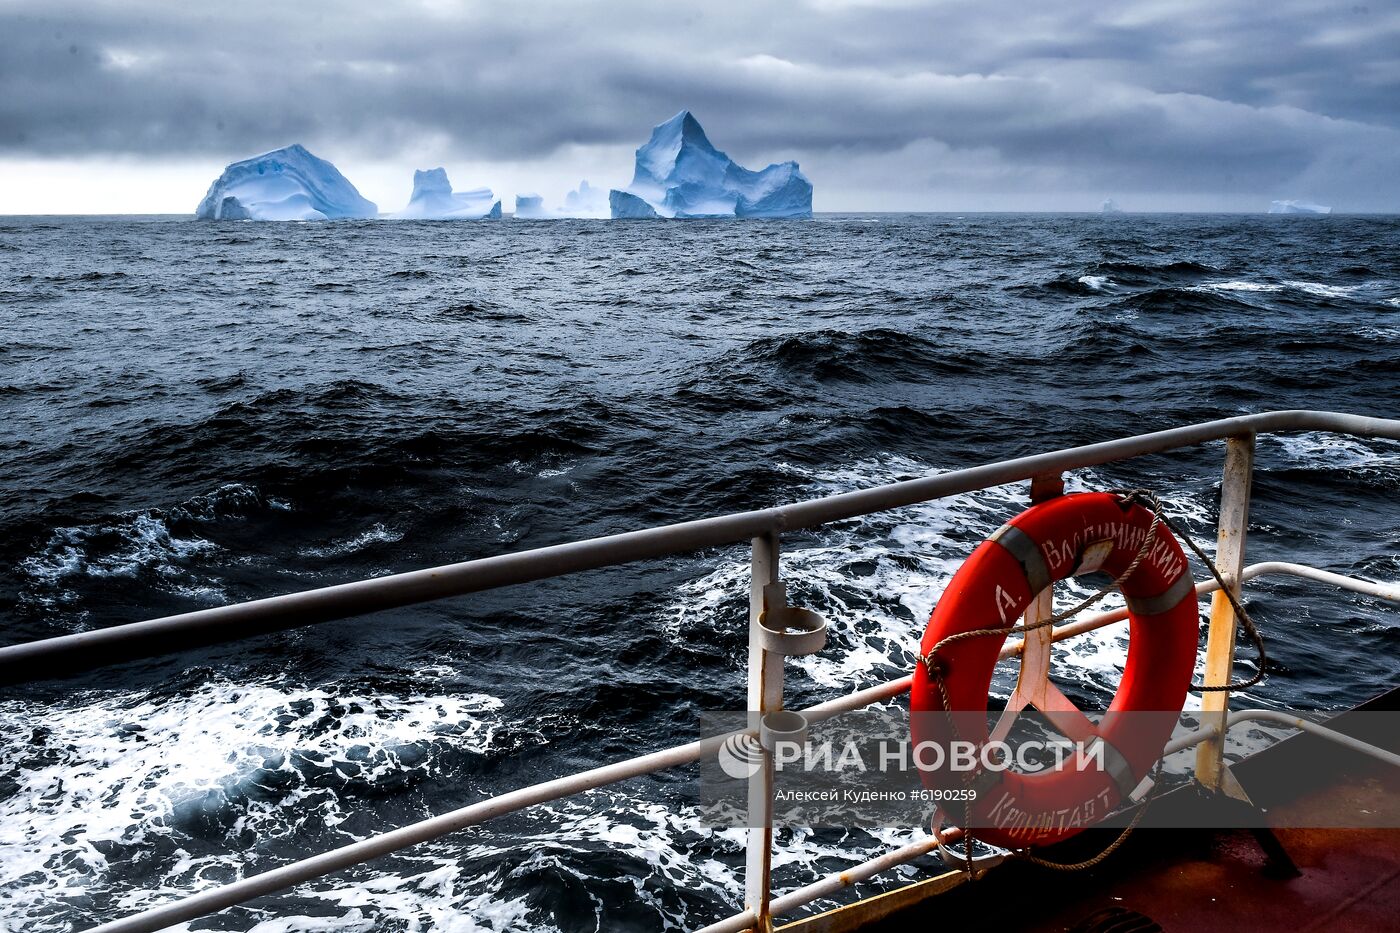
[72,653]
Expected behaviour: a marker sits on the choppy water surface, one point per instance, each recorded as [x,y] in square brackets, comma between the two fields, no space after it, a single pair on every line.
[203,413]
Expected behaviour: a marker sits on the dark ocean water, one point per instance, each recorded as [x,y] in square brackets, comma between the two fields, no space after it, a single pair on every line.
[200,413]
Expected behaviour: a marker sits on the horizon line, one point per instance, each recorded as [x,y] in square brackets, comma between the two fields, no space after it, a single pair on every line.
[511,214]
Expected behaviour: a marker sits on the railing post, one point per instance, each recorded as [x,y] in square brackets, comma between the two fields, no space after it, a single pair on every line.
[1220,640]
[765,696]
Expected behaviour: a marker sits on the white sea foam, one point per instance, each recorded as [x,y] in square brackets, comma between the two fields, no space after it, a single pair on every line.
[1237,285]
[108,771]
[1323,451]
[1095,282]
[666,848]
[352,922]
[445,896]
[139,544]
[375,534]
[1318,289]
[1324,291]
[532,468]
[143,541]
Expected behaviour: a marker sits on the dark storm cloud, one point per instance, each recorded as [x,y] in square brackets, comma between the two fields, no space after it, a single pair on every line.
[1164,96]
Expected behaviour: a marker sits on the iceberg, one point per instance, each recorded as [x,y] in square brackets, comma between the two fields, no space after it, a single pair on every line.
[530,207]
[1298,207]
[1110,206]
[434,199]
[624,206]
[284,184]
[679,173]
[586,201]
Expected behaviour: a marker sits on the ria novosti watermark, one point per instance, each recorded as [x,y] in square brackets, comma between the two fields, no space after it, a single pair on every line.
[890,768]
[935,757]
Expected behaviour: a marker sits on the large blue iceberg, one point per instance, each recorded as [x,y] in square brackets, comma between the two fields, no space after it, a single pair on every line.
[284,184]
[680,174]
[434,199]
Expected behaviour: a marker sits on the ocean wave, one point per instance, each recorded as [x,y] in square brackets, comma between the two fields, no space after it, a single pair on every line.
[1184,301]
[1238,285]
[376,534]
[341,425]
[1314,289]
[164,548]
[1322,290]
[643,864]
[1094,337]
[481,310]
[1140,275]
[1068,284]
[107,778]
[862,356]
[82,277]
[1317,450]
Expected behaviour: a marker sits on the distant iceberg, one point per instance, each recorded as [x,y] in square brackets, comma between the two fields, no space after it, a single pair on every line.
[680,174]
[434,199]
[586,201]
[1110,206]
[284,184]
[1298,207]
[530,207]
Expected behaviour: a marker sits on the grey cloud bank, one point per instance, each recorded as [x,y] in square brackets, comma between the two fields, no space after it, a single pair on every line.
[885,105]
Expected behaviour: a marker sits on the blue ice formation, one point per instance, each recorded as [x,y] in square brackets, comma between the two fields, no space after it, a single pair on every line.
[284,184]
[624,206]
[680,174]
[1298,207]
[434,199]
[586,201]
[530,207]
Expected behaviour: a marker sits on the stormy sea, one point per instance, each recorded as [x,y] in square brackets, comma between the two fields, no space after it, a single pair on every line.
[202,413]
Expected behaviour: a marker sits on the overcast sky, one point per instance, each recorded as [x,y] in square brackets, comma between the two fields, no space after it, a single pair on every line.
[135,106]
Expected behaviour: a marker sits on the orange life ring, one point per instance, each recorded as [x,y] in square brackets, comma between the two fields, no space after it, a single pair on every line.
[1065,536]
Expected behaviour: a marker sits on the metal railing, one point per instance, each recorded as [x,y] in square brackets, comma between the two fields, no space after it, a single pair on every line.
[86,650]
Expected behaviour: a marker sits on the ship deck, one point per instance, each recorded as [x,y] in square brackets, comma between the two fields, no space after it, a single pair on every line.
[1200,880]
